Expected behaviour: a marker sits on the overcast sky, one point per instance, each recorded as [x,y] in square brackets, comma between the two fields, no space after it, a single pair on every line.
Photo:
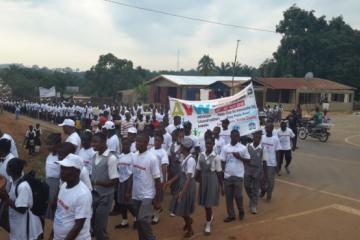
[60,33]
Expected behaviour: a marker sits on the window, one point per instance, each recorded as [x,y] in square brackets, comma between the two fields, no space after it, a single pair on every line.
[309,98]
[337,97]
[285,96]
[272,95]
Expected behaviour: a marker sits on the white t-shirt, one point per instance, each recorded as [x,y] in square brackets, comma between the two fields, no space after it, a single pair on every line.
[13,148]
[52,169]
[73,203]
[3,166]
[85,178]
[133,147]
[151,142]
[167,141]
[270,146]
[113,144]
[188,165]
[87,155]
[162,158]
[285,138]
[234,166]
[145,170]
[170,128]
[18,221]
[225,134]
[74,138]
[219,144]
[125,165]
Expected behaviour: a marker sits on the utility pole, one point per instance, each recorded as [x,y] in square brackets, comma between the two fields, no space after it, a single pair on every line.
[233,74]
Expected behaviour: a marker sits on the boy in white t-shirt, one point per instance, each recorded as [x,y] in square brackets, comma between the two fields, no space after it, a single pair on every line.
[285,136]
[146,187]
[20,201]
[163,163]
[271,147]
[73,211]
[86,152]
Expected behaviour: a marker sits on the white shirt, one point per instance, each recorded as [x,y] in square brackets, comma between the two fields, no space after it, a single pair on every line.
[112,163]
[125,165]
[74,138]
[3,166]
[52,169]
[87,155]
[162,158]
[225,134]
[151,142]
[73,203]
[85,178]
[215,164]
[219,144]
[270,146]
[285,138]
[13,148]
[18,221]
[170,128]
[188,165]
[133,147]
[113,144]
[167,141]
[145,170]
[234,166]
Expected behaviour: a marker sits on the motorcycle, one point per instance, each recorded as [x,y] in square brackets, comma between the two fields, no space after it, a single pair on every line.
[307,128]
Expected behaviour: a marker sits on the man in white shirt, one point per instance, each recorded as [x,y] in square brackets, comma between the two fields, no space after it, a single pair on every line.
[219,142]
[104,177]
[73,137]
[233,156]
[172,126]
[285,136]
[146,193]
[271,147]
[13,149]
[113,142]
[73,211]
[225,131]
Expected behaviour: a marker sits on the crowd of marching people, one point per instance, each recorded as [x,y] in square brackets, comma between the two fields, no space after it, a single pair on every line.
[121,160]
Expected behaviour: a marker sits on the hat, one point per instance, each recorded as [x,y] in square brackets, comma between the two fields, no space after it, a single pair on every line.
[67,122]
[187,142]
[71,160]
[132,130]
[109,125]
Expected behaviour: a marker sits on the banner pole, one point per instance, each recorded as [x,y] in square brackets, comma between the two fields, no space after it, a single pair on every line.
[233,73]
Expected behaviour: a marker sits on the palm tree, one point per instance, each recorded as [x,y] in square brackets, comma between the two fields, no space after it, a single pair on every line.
[206,65]
[224,69]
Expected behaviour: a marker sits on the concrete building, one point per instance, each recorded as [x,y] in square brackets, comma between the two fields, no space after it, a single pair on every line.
[308,92]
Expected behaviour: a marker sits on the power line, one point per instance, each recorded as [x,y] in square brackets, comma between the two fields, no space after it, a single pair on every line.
[188,18]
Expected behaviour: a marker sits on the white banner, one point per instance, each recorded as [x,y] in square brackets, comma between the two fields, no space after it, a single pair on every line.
[45,93]
[240,109]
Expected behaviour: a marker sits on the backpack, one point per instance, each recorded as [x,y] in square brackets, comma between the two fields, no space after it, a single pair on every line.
[40,191]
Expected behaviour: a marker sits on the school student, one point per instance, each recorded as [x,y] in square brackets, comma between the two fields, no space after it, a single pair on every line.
[30,140]
[23,223]
[104,178]
[254,171]
[132,133]
[163,163]
[285,136]
[73,210]
[112,142]
[87,152]
[225,131]
[271,146]
[209,173]
[125,166]
[13,148]
[146,187]
[233,156]
[185,194]
[219,141]
[73,137]
[52,171]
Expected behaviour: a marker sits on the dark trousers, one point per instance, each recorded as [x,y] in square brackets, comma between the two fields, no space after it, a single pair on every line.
[284,154]
[124,208]
[294,140]
[269,181]
[101,209]
[252,186]
[233,190]
[143,212]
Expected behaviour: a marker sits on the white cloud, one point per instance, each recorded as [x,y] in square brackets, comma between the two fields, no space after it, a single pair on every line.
[74,33]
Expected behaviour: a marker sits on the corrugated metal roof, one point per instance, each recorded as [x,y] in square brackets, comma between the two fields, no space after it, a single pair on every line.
[302,83]
[196,80]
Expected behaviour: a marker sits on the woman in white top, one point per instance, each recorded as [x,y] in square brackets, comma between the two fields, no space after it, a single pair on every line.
[20,204]
[186,192]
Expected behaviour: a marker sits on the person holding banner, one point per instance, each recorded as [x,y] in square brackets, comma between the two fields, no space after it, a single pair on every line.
[233,156]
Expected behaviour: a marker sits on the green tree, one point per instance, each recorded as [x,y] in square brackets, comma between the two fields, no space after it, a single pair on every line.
[225,69]
[206,65]
[142,92]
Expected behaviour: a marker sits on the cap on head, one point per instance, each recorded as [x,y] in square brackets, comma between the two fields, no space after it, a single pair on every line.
[71,160]
[67,122]
[132,130]
[109,125]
